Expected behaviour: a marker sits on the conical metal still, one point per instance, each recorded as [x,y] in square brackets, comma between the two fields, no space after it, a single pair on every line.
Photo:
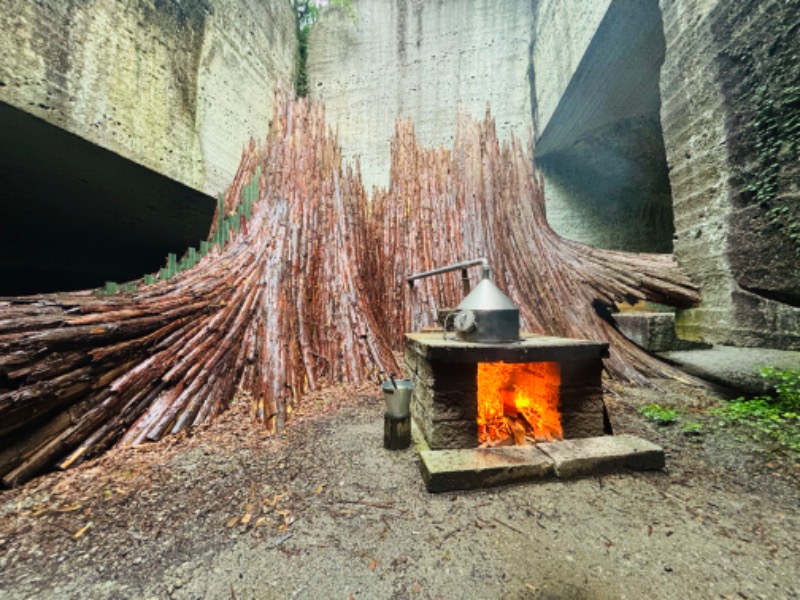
[487,315]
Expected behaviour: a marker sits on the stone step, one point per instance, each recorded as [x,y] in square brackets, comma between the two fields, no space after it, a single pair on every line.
[449,470]
[653,331]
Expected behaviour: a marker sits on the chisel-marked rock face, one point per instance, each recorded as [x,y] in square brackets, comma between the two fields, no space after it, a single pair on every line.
[178,87]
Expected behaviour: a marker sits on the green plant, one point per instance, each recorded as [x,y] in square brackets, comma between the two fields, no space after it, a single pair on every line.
[777,417]
[660,415]
[306,14]
[760,82]
[692,428]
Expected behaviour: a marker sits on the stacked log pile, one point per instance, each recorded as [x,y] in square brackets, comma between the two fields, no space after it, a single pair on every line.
[303,288]
[485,199]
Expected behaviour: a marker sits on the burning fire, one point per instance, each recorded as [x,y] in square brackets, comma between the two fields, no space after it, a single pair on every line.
[516,401]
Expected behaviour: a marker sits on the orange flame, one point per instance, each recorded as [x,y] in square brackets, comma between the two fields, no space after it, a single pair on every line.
[518,401]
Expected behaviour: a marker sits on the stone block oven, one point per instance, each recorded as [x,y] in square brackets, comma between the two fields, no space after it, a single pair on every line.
[496,406]
[542,388]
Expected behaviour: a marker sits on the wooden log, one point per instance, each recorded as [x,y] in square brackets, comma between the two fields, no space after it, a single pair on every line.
[396,432]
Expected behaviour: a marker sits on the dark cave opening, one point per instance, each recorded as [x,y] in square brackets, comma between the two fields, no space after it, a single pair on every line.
[76,215]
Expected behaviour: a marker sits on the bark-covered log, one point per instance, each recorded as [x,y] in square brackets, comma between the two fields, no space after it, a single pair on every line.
[304,285]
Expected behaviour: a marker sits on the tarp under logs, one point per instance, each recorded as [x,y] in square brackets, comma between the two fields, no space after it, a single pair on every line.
[309,291]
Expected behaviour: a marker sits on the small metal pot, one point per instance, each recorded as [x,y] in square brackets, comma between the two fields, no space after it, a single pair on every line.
[398,401]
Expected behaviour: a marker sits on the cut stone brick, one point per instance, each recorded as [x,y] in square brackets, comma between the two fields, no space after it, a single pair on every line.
[604,454]
[448,470]
[530,348]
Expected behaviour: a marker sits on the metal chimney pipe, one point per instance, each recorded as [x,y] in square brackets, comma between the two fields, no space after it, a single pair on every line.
[484,262]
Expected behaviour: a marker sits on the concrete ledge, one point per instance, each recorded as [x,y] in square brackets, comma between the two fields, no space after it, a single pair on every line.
[448,470]
[735,368]
[606,454]
[530,348]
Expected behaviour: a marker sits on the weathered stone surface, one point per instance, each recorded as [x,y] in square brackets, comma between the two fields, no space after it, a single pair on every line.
[446,414]
[653,331]
[447,470]
[605,454]
[735,368]
[704,153]
[76,215]
[556,54]
[758,83]
[462,376]
[531,348]
[446,406]
[599,140]
[452,434]
[581,372]
[588,422]
[179,87]
[420,60]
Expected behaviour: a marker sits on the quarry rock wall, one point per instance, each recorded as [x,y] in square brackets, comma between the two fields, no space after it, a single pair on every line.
[726,82]
[651,117]
[421,61]
[562,32]
[644,112]
[596,99]
[178,87]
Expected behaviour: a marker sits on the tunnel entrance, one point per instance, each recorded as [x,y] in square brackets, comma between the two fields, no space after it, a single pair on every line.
[75,215]
[602,152]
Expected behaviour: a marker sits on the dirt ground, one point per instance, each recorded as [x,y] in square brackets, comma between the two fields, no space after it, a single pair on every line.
[325,512]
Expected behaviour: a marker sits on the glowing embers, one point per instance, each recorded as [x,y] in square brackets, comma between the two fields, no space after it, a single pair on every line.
[518,403]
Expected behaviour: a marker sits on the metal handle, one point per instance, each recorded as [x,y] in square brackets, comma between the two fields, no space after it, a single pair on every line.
[484,262]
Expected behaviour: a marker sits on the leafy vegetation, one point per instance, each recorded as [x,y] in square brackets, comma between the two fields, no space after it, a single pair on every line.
[772,418]
[306,14]
[693,428]
[659,414]
[761,82]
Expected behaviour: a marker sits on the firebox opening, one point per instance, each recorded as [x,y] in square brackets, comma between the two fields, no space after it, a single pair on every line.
[518,403]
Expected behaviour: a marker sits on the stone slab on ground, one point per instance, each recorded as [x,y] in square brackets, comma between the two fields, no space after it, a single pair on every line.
[448,470]
[607,454]
[732,367]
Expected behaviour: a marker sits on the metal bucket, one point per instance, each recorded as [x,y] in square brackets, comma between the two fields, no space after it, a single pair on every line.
[398,401]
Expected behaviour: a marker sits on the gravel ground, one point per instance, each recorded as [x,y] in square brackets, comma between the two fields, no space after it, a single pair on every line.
[325,512]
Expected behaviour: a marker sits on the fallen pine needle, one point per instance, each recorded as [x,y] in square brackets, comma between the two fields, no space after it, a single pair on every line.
[82,530]
[511,527]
